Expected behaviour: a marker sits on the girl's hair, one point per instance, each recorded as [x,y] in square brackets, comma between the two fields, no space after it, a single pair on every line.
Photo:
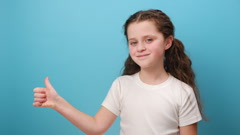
[176,62]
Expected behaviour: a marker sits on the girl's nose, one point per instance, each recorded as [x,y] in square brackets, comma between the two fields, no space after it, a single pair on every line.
[141,47]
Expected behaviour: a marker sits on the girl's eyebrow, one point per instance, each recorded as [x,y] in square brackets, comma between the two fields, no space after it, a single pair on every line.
[150,35]
[131,39]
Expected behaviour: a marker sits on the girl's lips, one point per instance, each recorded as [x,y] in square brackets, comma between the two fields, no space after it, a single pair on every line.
[142,55]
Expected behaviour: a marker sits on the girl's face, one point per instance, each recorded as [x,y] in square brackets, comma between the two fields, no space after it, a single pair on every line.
[147,45]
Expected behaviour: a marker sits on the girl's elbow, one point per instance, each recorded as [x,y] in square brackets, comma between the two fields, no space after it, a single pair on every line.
[97,131]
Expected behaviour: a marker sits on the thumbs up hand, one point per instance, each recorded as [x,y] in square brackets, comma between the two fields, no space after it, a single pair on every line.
[45,97]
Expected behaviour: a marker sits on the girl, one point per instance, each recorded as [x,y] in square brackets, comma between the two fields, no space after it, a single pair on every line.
[156,95]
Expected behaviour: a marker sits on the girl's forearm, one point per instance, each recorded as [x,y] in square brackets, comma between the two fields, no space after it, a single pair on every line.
[84,122]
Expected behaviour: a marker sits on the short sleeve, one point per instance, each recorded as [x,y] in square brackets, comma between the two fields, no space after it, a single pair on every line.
[189,112]
[112,100]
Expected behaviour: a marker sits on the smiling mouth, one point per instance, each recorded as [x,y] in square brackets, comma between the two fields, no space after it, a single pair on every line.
[143,55]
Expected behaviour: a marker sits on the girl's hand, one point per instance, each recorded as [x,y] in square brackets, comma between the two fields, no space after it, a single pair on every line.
[45,97]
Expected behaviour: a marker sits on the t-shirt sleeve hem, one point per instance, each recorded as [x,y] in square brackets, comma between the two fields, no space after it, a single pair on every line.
[111,109]
[190,121]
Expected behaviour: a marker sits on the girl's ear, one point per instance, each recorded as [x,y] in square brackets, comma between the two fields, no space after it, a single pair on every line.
[169,42]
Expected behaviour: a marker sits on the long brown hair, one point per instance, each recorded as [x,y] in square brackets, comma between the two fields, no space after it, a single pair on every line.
[176,62]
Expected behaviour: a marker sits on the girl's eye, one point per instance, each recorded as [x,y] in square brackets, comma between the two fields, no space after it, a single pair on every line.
[149,40]
[133,43]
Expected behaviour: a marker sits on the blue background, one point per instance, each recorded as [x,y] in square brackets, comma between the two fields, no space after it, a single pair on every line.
[80,46]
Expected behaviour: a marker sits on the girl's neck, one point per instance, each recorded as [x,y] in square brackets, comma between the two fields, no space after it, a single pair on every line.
[153,77]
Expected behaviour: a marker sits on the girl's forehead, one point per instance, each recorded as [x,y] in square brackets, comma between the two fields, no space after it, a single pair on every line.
[141,28]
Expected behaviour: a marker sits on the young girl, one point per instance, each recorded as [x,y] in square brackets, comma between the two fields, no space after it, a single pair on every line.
[156,95]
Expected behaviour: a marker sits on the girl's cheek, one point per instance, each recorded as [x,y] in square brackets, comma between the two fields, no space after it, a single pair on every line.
[131,50]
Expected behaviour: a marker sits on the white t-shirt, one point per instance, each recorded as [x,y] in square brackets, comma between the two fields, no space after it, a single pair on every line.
[152,109]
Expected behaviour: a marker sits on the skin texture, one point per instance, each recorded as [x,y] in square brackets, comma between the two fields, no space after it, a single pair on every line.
[147,47]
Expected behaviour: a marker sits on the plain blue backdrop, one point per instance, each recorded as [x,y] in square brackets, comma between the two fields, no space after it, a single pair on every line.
[80,46]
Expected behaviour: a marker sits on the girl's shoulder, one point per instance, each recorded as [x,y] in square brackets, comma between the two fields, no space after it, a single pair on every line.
[180,86]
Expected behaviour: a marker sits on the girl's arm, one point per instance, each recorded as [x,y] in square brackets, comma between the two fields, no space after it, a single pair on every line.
[48,97]
[189,129]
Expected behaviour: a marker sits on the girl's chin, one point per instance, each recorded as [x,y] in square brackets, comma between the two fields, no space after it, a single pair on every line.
[144,66]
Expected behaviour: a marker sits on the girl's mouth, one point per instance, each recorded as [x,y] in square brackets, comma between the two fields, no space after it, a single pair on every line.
[142,55]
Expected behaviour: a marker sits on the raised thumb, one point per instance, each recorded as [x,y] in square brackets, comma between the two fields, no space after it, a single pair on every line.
[47,83]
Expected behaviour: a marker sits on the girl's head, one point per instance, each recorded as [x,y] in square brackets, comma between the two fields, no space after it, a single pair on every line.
[162,23]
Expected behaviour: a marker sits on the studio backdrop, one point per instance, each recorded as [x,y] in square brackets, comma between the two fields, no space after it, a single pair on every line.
[80,45]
